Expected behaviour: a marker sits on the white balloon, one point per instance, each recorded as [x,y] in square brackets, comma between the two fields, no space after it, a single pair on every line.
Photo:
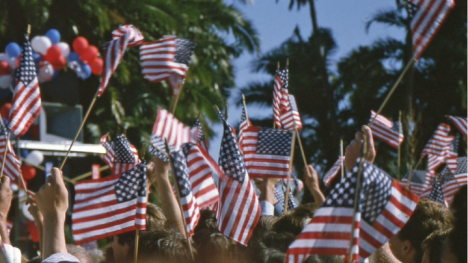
[45,72]
[35,158]
[24,208]
[13,187]
[5,81]
[12,63]
[65,48]
[4,57]
[41,44]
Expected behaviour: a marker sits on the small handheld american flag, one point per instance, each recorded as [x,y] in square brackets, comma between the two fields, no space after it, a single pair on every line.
[12,163]
[460,122]
[386,130]
[280,95]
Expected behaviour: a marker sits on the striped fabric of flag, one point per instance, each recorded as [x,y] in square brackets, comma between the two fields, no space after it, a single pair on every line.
[460,122]
[121,156]
[165,57]
[426,18]
[26,104]
[384,208]
[386,130]
[188,201]
[451,156]
[280,95]
[239,207]
[267,152]
[419,181]
[290,115]
[331,174]
[438,146]
[200,169]
[176,133]
[450,187]
[109,206]
[114,50]
[244,124]
[12,166]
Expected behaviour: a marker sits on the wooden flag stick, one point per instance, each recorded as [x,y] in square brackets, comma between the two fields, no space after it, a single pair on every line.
[286,198]
[176,99]
[178,197]
[81,127]
[137,240]
[88,174]
[245,106]
[342,160]
[5,151]
[408,66]
[399,151]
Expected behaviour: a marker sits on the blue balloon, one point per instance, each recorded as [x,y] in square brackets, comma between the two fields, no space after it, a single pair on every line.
[86,70]
[73,56]
[24,153]
[56,73]
[53,35]
[37,58]
[13,50]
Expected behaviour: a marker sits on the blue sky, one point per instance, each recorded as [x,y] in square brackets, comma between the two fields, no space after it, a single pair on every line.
[275,23]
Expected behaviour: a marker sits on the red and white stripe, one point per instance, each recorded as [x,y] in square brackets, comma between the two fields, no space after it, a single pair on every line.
[157,60]
[176,133]
[97,213]
[12,166]
[460,122]
[242,127]
[331,174]
[290,117]
[329,231]
[451,187]
[277,97]
[382,128]
[262,165]
[439,144]
[427,21]
[114,50]
[109,156]
[200,167]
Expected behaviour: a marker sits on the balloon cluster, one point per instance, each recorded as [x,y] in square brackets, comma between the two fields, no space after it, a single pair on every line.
[50,57]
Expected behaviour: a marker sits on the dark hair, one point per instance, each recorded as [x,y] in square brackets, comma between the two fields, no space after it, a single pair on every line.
[294,220]
[211,245]
[165,246]
[207,221]
[457,237]
[428,217]
[434,244]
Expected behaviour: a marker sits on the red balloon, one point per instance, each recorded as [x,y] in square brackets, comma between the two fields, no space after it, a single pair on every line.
[28,172]
[5,110]
[96,66]
[59,63]
[79,44]
[5,68]
[89,54]
[53,53]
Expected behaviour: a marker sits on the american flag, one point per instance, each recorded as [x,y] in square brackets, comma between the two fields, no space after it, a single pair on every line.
[26,104]
[121,156]
[290,115]
[279,194]
[244,124]
[190,210]
[200,136]
[109,206]
[437,194]
[331,174]
[452,181]
[167,56]
[386,130]
[239,208]
[451,156]
[200,169]
[460,122]
[437,147]
[114,50]
[176,133]
[280,95]
[384,207]
[419,181]
[267,152]
[426,19]
[12,166]
[157,148]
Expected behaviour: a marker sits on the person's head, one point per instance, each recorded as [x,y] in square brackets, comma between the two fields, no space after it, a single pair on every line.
[207,221]
[165,246]
[80,253]
[455,245]
[433,245]
[428,217]
[123,244]
[212,246]
[295,220]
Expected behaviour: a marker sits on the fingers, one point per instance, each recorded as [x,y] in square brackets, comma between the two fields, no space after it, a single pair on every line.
[370,156]
[5,182]
[57,177]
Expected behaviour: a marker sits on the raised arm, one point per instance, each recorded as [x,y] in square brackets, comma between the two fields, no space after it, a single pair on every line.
[5,202]
[312,182]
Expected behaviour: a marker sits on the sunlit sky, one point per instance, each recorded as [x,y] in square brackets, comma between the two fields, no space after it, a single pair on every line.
[275,23]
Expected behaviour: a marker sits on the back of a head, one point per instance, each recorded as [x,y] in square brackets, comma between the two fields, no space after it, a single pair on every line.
[457,238]
[80,253]
[207,221]
[433,245]
[164,246]
[428,217]
[212,246]
[295,220]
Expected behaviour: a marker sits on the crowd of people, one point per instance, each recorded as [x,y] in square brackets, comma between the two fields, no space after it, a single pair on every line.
[434,233]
